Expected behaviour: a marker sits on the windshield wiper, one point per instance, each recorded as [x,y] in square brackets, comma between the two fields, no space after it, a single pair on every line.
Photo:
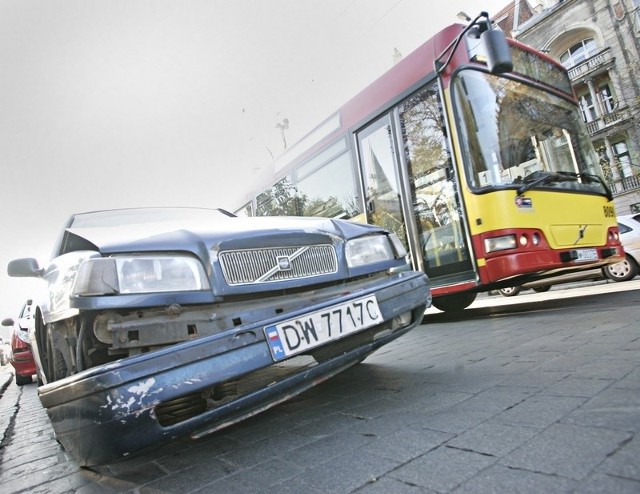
[592,178]
[545,178]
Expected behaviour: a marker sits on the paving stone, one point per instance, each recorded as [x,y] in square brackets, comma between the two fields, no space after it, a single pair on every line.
[625,461]
[499,479]
[613,408]
[493,438]
[540,411]
[565,450]
[443,469]
[348,472]
[600,483]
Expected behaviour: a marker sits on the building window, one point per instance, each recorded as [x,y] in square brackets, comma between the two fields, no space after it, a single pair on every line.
[588,108]
[578,53]
[623,158]
[606,98]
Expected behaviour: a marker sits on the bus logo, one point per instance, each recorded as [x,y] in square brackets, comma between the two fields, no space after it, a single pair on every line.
[523,202]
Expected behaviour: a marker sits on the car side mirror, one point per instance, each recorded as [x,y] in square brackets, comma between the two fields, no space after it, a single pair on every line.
[8,321]
[26,267]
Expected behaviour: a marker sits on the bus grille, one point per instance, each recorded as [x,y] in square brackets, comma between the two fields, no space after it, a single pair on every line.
[243,267]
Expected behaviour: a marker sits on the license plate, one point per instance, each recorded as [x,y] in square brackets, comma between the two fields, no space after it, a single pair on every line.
[587,255]
[317,328]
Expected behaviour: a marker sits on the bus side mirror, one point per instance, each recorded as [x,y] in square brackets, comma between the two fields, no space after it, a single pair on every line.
[498,52]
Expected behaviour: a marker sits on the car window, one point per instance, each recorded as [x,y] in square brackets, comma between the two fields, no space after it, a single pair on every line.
[623,228]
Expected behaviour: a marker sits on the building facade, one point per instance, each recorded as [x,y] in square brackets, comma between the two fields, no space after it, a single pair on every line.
[599,43]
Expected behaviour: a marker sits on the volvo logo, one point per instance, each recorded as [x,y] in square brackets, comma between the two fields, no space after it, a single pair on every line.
[284,263]
[581,231]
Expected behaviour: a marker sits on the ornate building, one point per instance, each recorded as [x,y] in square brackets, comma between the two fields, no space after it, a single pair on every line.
[599,42]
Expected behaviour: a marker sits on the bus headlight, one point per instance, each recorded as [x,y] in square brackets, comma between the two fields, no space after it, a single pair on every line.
[500,243]
[140,274]
[374,248]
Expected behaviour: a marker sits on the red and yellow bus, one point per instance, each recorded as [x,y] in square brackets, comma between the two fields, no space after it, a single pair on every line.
[472,149]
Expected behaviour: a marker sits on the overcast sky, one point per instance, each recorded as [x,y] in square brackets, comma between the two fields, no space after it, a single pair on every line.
[124,103]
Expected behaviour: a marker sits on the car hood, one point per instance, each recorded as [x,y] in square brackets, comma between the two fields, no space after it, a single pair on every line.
[224,234]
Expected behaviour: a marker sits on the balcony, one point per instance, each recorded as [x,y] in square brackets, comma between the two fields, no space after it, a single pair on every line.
[625,184]
[608,120]
[591,65]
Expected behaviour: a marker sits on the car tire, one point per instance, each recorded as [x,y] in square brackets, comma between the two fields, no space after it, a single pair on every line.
[54,360]
[510,291]
[454,302]
[542,289]
[22,380]
[623,270]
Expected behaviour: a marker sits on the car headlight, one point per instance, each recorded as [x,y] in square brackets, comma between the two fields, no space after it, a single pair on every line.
[140,274]
[374,248]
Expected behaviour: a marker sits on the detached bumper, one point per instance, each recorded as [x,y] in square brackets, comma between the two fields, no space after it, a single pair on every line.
[106,413]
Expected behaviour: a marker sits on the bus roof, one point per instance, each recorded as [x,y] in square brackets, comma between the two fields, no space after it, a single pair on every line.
[384,91]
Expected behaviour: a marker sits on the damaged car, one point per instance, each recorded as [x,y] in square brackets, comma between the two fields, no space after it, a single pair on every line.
[159,323]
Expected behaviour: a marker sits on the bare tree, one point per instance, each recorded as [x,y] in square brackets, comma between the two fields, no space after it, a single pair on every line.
[284,125]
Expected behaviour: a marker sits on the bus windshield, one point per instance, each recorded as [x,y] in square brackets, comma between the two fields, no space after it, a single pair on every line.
[517,136]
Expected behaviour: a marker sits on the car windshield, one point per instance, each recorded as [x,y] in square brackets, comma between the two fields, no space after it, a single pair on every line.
[124,217]
[517,136]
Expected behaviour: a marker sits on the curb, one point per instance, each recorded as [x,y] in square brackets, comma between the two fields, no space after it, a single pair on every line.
[5,379]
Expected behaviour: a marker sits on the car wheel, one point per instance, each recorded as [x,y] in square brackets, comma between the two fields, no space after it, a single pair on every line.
[622,271]
[454,302]
[55,363]
[510,291]
[542,289]
[22,380]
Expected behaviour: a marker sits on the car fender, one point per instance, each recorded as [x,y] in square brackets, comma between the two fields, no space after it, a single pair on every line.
[60,277]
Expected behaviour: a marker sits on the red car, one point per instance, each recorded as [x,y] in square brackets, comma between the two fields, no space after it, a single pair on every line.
[21,357]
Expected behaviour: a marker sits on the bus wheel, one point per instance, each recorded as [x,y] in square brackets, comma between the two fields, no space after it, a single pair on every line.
[510,291]
[454,302]
[542,289]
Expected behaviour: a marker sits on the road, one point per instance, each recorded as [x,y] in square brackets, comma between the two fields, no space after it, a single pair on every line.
[535,393]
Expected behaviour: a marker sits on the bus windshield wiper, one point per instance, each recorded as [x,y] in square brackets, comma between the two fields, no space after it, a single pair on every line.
[546,178]
[592,178]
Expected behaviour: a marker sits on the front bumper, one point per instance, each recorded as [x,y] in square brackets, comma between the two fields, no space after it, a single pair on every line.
[108,412]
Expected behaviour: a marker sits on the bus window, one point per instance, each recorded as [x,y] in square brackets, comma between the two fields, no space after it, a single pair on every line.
[375,144]
[279,200]
[436,204]
[330,190]
[245,211]
[514,134]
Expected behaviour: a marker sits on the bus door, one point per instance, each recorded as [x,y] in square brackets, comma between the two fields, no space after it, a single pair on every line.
[412,192]
[427,164]
[379,168]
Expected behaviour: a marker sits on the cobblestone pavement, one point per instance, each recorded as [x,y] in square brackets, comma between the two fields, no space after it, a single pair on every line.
[537,397]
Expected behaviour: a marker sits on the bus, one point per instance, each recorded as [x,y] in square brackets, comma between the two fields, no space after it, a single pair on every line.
[473,151]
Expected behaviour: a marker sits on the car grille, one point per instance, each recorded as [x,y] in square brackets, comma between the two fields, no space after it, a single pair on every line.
[243,267]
